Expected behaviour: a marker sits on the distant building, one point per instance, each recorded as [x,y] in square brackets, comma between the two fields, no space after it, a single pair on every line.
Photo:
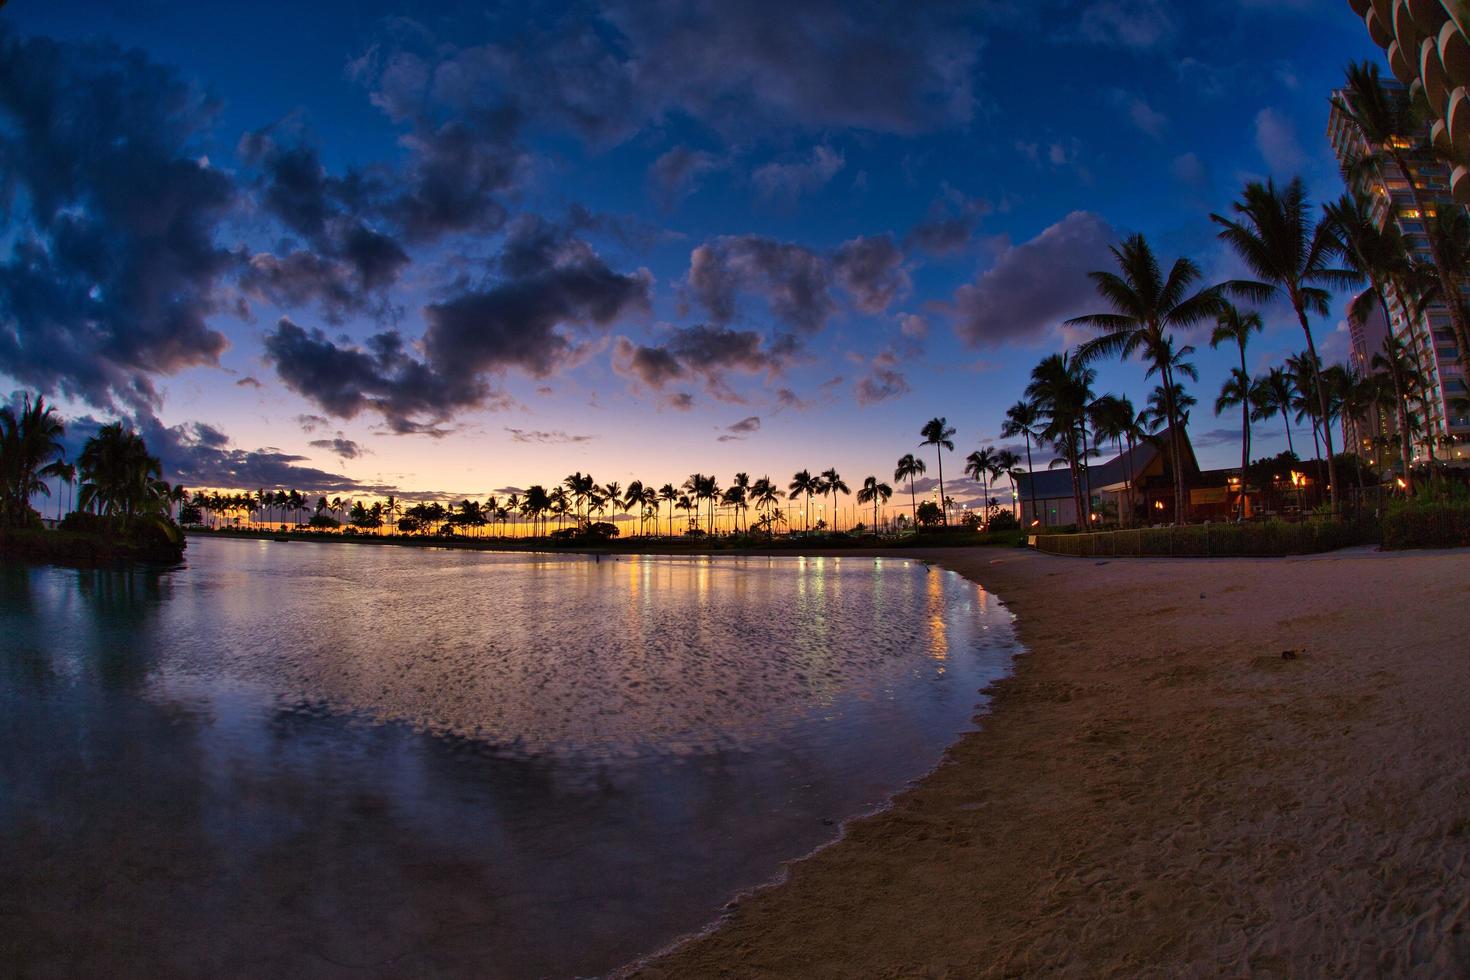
[1428,336]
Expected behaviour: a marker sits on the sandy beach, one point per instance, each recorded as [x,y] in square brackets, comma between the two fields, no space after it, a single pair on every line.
[1159,791]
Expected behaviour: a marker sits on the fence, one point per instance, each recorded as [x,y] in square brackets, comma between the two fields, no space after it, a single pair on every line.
[1263,539]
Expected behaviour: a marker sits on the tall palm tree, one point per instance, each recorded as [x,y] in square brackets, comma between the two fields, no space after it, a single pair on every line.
[1290,254]
[803,484]
[1304,368]
[1112,417]
[1005,465]
[120,478]
[937,432]
[67,473]
[1393,128]
[978,466]
[1061,388]
[1271,395]
[875,493]
[909,467]
[766,495]
[30,451]
[1394,360]
[833,484]
[534,506]
[670,496]
[1235,326]
[650,499]
[1024,419]
[1146,306]
[740,487]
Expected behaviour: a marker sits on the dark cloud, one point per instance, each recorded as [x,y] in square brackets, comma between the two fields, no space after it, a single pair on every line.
[703,351]
[950,224]
[552,289]
[114,270]
[795,282]
[746,427]
[880,385]
[681,400]
[786,398]
[345,448]
[555,437]
[347,266]
[872,272]
[676,173]
[1035,285]
[200,455]
[249,382]
[786,180]
[310,423]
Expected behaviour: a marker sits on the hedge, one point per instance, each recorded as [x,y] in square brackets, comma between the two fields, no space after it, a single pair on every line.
[1434,524]
[1267,538]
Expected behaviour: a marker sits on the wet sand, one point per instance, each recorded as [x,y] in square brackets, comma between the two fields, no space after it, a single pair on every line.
[1157,791]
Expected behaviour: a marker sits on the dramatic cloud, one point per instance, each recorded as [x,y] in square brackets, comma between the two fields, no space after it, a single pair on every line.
[789,180]
[675,174]
[703,351]
[248,382]
[1035,285]
[552,288]
[950,224]
[114,270]
[556,437]
[345,448]
[794,281]
[880,385]
[746,427]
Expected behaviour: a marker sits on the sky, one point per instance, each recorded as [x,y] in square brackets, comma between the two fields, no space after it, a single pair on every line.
[448,248]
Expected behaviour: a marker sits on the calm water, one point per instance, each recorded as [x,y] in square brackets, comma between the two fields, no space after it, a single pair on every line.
[316,759]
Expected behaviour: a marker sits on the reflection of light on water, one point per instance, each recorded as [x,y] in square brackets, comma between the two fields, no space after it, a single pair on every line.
[938,637]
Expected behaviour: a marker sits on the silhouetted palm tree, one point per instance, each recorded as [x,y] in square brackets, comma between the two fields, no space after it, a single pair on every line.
[1024,419]
[1146,306]
[1290,254]
[875,493]
[1394,361]
[937,432]
[120,478]
[30,450]
[832,484]
[1273,395]
[909,467]
[803,484]
[978,466]
[1235,326]
[669,495]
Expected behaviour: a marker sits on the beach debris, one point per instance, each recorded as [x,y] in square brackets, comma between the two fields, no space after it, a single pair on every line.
[1292,654]
[1100,563]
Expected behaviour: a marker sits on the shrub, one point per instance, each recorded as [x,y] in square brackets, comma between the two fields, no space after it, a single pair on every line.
[324,521]
[1004,521]
[1418,523]
[1268,538]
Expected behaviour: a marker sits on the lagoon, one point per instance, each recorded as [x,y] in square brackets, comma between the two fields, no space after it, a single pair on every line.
[301,759]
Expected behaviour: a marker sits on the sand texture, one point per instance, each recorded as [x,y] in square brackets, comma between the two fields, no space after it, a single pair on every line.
[1159,792]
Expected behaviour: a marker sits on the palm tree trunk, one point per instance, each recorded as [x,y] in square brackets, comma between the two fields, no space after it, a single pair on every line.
[943,510]
[1031,478]
[1321,404]
[1449,278]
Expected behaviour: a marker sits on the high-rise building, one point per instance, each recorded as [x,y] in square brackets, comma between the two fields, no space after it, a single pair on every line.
[1373,436]
[1428,48]
[1428,335]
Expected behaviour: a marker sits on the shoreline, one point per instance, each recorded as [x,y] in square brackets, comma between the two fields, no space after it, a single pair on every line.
[1154,789]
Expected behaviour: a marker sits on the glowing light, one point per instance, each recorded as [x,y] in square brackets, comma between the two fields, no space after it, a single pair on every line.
[1400,481]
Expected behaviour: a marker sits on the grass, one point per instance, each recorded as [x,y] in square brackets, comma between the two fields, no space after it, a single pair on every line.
[1259,539]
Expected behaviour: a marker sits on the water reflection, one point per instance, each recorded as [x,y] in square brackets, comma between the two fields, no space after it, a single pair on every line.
[302,759]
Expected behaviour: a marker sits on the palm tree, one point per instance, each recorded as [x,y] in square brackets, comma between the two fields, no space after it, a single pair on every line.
[120,479]
[1234,325]
[1304,368]
[1271,395]
[909,467]
[1146,306]
[740,488]
[978,466]
[1061,388]
[1392,127]
[937,432]
[1290,255]
[766,495]
[534,504]
[875,493]
[30,450]
[1024,419]
[1394,361]
[669,495]
[1112,417]
[832,484]
[649,499]
[804,484]
[67,473]
[1006,462]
